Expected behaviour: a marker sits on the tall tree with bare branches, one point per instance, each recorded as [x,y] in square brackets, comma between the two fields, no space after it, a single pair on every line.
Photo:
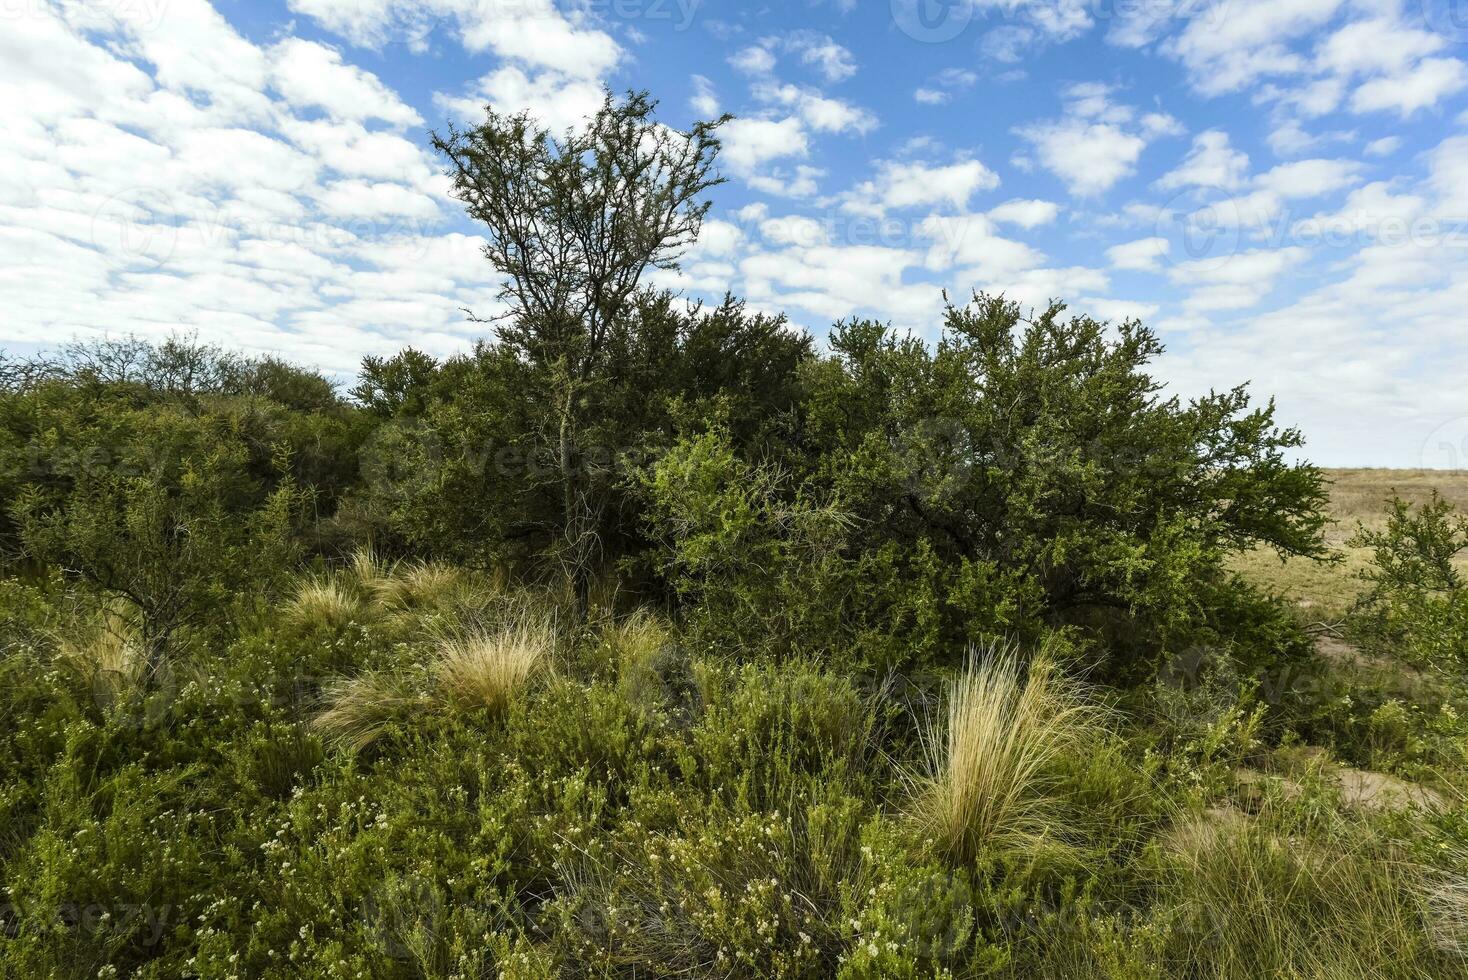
[574,223]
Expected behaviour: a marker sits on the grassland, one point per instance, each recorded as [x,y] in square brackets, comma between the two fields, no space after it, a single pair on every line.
[1324,592]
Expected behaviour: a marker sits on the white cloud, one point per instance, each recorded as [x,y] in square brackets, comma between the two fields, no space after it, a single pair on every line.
[1383,147]
[176,175]
[972,242]
[557,102]
[820,112]
[834,62]
[900,185]
[1414,89]
[532,32]
[753,60]
[751,143]
[804,181]
[1448,179]
[1309,178]
[1117,309]
[1236,281]
[1097,142]
[1025,213]
[1370,213]
[704,101]
[1376,44]
[834,282]
[1143,255]
[1212,162]
[311,75]
[1226,48]
[1089,157]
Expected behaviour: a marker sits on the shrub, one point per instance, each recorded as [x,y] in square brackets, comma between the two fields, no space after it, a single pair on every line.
[1417,603]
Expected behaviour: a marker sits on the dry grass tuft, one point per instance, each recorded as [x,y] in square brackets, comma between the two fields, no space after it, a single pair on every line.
[360,709]
[109,659]
[984,785]
[367,568]
[636,640]
[486,669]
[323,601]
[414,585]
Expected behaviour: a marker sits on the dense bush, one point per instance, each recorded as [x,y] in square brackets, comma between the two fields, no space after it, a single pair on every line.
[1417,601]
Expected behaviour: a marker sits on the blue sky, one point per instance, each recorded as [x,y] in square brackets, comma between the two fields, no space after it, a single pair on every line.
[1279,187]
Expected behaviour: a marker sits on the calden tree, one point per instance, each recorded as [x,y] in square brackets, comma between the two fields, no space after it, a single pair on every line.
[573,224]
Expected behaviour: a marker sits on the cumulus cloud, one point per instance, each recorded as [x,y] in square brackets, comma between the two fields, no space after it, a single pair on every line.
[532,32]
[175,175]
[556,101]
[1097,142]
[899,185]
[1212,162]
[1144,254]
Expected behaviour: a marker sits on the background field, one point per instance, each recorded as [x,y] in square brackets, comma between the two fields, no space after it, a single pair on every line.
[1324,592]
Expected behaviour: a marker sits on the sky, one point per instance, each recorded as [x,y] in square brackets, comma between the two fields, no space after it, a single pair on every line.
[1278,187]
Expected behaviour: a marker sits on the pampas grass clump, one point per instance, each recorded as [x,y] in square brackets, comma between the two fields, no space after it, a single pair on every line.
[109,659]
[414,585]
[360,709]
[485,668]
[984,785]
[323,601]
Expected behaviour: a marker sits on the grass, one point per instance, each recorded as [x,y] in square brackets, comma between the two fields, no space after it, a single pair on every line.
[1253,902]
[984,786]
[471,669]
[323,601]
[361,709]
[108,658]
[1326,592]
[413,585]
[485,669]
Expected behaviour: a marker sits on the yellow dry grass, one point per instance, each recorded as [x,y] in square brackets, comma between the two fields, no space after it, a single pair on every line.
[1325,592]
[360,709]
[984,785]
[323,601]
[486,669]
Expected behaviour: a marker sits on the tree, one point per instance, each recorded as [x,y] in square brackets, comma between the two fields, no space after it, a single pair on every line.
[1023,474]
[1417,603]
[573,224]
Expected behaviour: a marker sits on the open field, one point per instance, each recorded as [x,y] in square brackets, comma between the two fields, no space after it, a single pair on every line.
[1325,592]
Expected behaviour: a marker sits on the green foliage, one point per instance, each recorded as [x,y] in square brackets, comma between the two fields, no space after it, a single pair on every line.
[614,646]
[1021,476]
[174,524]
[1417,603]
